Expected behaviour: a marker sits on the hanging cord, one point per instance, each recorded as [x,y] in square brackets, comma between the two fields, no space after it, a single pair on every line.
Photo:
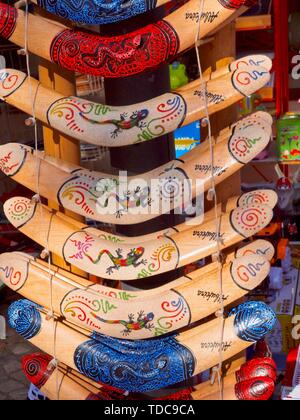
[32,122]
[51,312]
[213,195]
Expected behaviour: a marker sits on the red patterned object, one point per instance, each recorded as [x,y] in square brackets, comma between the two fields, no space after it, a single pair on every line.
[256,389]
[36,368]
[117,56]
[8,20]
[263,367]
[235,4]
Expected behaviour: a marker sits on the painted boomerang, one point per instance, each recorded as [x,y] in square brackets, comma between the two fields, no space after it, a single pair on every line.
[117,56]
[139,315]
[105,125]
[147,365]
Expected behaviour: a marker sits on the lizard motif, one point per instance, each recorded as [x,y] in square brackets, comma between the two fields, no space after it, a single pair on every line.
[142,322]
[139,198]
[124,123]
[119,261]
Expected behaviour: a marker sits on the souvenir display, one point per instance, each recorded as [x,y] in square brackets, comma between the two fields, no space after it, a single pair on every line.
[138,273]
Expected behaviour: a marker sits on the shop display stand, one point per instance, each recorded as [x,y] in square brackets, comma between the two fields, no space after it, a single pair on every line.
[55,143]
[139,158]
[142,157]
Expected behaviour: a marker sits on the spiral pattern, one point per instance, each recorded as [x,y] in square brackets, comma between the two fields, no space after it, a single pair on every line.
[258,368]
[249,220]
[253,320]
[35,367]
[25,318]
[172,185]
[258,389]
[254,198]
[20,210]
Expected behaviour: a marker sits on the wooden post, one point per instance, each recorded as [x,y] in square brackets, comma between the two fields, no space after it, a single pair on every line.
[56,144]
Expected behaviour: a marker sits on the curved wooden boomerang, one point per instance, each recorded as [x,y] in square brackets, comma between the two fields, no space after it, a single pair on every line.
[99,12]
[108,260]
[120,200]
[78,190]
[118,56]
[147,365]
[44,374]
[120,126]
[139,315]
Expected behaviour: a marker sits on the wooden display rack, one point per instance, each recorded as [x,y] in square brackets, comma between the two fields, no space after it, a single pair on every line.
[215,54]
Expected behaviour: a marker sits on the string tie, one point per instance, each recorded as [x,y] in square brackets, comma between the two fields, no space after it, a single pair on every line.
[45,254]
[30,122]
[36,198]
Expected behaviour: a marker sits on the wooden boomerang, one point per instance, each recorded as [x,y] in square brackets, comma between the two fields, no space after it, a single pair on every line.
[42,372]
[107,260]
[261,118]
[117,56]
[120,126]
[268,197]
[138,315]
[133,200]
[143,365]
[99,12]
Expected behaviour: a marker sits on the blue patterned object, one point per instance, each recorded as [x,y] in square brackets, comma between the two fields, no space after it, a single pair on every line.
[136,366]
[253,320]
[97,12]
[24,317]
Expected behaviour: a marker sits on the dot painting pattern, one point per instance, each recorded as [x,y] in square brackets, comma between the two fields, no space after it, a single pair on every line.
[117,56]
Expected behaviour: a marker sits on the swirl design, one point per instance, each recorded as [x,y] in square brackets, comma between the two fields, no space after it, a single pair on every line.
[176,310]
[13,276]
[243,148]
[118,56]
[8,81]
[253,320]
[258,368]
[19,209]
[171,113]
[138,366]
[249,220]
[80,194]
[36,368]
[97,12]
[81,309]
[164,254]
[256,389]
[245,272]
[173,184]
[25,318]
[245,78]
[255,198]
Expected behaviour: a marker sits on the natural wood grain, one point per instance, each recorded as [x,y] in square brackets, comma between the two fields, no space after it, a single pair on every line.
[189,300]
[121,200]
